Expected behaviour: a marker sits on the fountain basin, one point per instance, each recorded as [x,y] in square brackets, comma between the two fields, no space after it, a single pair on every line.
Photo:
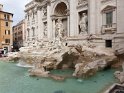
[15,79]
[116,88]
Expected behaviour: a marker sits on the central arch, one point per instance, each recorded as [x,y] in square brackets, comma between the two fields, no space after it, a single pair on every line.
[60,11]
[60,2]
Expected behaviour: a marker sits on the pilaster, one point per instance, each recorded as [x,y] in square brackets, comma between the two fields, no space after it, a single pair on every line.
[120,16]
[98,17]
[73,18]
[92,16]
[53,35]
[39,28]
[49,22]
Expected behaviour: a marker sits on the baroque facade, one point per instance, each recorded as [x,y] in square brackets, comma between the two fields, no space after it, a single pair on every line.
[5,29]
[75,21]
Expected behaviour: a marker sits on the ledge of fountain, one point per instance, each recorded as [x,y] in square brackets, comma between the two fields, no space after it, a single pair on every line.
[115,88]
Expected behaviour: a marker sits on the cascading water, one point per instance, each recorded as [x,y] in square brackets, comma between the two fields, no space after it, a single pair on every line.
[24,64]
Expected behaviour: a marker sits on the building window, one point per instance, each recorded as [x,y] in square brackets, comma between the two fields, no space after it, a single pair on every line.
[15,39]
[4,16]
[109,17]
[108,43]
[8,17]
[15,34]
[7,24]
[28,17]
[8,32]
[5,32]
[7,40]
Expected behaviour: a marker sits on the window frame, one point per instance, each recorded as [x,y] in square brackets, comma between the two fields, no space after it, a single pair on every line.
[7,24]
[109,17]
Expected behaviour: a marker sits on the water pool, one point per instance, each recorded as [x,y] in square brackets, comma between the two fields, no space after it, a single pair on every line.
[15,79]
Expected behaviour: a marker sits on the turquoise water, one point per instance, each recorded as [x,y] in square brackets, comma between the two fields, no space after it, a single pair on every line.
[14,79]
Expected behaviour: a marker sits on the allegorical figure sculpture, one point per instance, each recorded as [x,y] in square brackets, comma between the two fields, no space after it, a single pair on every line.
[59,32]
[59,29]
[45,30]
[44,11]
[83,24]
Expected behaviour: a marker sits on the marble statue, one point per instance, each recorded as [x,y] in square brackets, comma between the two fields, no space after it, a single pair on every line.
[45,30]
[45,11]
[59,32]
[59,29]
[83,24]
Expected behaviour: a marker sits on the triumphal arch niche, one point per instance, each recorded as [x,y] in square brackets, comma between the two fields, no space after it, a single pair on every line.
[60,18]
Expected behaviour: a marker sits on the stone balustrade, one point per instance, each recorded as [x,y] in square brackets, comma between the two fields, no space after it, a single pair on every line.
[111,28]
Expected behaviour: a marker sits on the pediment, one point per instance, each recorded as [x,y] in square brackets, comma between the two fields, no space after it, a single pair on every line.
[109,8]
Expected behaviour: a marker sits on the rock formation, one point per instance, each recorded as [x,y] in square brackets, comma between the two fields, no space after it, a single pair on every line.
[13,56]
[86,60]
[120,74]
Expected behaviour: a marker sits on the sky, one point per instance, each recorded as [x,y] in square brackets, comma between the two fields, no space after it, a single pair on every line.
[16,7]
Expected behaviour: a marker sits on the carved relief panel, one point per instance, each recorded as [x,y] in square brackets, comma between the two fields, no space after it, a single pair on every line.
[82,2]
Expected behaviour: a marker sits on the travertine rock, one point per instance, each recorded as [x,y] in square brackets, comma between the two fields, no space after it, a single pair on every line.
[38,72]
[13,56]
[120,76]
[86,60]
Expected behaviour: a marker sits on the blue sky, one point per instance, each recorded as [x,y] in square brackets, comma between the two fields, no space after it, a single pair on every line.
[16,7]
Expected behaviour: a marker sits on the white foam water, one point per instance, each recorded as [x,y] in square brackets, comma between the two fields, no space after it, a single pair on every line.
[23,64]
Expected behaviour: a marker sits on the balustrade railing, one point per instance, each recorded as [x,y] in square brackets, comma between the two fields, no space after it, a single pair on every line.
[109,28]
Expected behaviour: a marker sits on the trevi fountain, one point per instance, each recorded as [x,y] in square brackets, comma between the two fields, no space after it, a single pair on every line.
[53,67]
[64,63]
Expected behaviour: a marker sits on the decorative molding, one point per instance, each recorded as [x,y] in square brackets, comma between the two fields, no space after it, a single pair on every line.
[104,1]
[109,29]
[82,4]
[108,8]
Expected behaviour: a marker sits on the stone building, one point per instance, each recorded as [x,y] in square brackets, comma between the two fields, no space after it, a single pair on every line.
[19,34]
[100,21]
[5,29]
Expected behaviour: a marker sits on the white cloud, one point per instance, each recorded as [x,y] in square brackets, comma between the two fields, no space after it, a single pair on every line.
[16,7]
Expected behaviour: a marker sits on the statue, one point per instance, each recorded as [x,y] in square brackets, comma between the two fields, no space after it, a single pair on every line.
[45,30]
[59,31]
[83,24]
[45,11]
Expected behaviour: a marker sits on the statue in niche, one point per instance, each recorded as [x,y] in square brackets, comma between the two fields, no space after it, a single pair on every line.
[45,11]
[59,31]
[45,30]
[83,24]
